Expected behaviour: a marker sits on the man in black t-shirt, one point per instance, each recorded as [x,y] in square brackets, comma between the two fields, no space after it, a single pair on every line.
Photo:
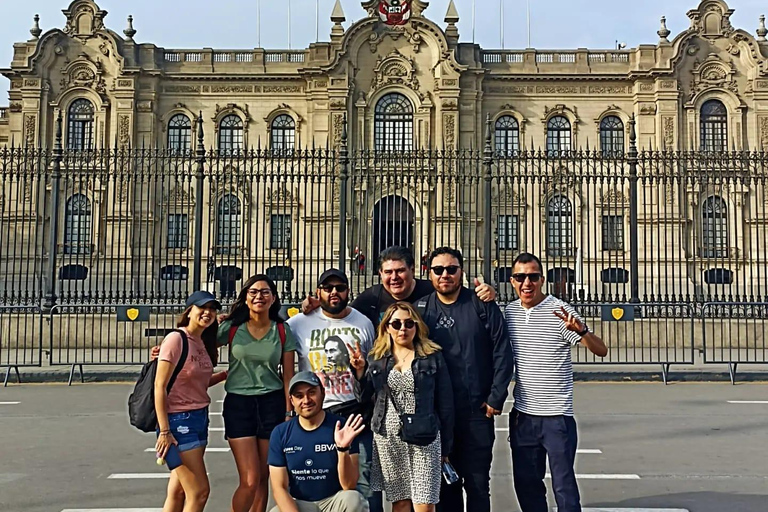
[476,348]
[398,283]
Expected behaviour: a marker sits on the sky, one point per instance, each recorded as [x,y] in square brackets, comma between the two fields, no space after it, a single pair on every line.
[231,24]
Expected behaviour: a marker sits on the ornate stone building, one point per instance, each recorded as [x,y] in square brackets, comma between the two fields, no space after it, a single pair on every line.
[405,82]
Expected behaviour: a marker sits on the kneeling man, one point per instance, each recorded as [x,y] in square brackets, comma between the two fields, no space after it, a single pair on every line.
[313,463]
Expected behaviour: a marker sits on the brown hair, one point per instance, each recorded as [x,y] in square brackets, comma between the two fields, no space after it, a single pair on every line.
[422,345]
[209,335]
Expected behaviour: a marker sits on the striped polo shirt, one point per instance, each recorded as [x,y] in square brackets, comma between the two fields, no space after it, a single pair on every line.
[542,351]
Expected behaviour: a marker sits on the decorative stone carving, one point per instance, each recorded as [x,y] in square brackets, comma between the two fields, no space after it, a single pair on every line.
[668,85]
[609,89]
[182,88]
[124,130]
[338,129]
[125,83]
[668,132]
[281,194]
[713,73]
[31,83]
[613,197]
[121,190]
[243,111]
[27,189]
[450,104]
[648,109]
[321,84]
[764,132]
[646,87]
[15,106]
[396,69]
[282,88]
[30,127]
[144,106]
[450,82]
[338,104]
[450,132]
[17,84]
[178,195]
[84,73]
[506,196]
[231,88]
[83,19]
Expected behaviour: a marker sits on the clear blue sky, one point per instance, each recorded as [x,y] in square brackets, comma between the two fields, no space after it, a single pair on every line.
[232,23]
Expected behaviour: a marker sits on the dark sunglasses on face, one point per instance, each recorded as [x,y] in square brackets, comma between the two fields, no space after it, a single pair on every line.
[520,278]
[328,288]
[397,324]
[451,269]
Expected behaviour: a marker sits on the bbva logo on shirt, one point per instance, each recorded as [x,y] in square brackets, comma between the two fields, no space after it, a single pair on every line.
[324,448]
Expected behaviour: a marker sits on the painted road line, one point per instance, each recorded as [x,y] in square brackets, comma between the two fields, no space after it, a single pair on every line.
[214,414]
[748,401]
[603,476]
[10,403]
[632,510]
[219,401]
[139,476]
[207,450]
[215,429]
[112,510]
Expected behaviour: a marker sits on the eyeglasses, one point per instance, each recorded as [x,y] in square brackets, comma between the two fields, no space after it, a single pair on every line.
[451,269]
[328,288]
[398,324]
[520,278]
[264,292]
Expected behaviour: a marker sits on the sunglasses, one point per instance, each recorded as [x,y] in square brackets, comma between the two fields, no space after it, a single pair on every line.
[451,269]
[398,324]
[328,288]
[520,278]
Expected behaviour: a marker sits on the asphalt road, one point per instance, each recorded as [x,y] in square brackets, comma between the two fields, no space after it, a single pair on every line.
[683,446]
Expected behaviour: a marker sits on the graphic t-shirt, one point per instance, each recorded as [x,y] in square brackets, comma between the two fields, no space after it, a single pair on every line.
[374,301]
[190,391]
[321,345]
[253,363]
[310,457]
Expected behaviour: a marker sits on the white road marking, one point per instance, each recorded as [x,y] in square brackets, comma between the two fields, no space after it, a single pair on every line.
[10,403]
[112,510]
[219,401]
[748,401]
[601,476]
[216,429]
[207,450]
[631,510]
[139,476]
[214,414]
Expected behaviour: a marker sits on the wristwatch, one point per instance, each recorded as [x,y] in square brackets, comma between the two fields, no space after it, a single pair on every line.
[340,449]
[583,332]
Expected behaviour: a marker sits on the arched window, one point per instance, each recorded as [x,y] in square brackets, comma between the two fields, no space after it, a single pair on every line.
[714,213]
[507,135]
[77,225]
[714,126]
[230,134]
[393,123]
[558,135]
[80,125]
[179,133]
[228,226]
[283,133]
[612,136]
[559,226]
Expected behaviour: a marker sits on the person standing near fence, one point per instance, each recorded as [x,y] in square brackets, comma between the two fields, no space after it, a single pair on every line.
[398,283]
[323,338]
[543,329]
[476,348]
[258,397]
[182,414]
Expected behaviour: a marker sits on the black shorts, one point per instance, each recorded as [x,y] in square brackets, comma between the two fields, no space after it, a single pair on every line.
[253,415]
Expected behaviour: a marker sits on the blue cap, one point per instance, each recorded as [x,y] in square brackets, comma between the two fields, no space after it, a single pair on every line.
[304,377]
[200,298]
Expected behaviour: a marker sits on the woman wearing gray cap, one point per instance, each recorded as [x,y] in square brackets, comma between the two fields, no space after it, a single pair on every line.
[182,413]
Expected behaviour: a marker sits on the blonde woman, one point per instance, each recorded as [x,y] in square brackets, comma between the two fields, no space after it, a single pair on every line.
[407,377]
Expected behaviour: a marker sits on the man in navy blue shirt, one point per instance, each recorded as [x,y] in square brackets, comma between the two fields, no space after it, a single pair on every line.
[313,461]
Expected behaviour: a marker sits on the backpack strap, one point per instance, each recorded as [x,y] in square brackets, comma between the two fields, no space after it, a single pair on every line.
[281,333]
[182,358]
[482,313]
[421,306]
[232,332]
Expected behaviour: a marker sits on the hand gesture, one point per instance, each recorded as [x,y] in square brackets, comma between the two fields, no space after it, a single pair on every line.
[222,318]
[164,442]
[154,353]
[356,359]
[310,304]
[343,437]
[571,322]
[490,412]
[485,292]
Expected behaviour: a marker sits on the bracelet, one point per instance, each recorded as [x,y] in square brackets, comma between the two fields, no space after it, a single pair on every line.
[583,332]
[165,432]
[340,449]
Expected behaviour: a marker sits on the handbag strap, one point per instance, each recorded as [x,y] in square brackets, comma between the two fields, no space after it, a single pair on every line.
[388,391]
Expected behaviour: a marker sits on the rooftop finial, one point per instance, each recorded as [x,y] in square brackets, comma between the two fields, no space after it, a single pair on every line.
[35,30]
[761,30]
[663,31]
[129,30]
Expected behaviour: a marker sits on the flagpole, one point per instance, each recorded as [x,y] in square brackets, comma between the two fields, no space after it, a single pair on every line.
[317,21]
[289,25]
[528,12]
[473,20]
[258,22]
[501,21]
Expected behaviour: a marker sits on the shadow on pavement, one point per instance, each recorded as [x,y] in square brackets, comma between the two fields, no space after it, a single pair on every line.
[704,501]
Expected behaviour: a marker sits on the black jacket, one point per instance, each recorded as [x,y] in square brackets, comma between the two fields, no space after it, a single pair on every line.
[432,386]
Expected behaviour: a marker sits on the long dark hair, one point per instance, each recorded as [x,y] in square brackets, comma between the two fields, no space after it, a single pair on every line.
[209,335]
[239,313]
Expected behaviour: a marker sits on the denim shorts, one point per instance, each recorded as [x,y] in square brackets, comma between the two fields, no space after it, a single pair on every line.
[190,429]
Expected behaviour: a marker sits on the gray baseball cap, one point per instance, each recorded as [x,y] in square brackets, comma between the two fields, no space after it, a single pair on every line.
[304,378]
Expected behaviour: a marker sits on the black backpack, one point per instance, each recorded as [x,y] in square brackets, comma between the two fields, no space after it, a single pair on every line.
[141,403]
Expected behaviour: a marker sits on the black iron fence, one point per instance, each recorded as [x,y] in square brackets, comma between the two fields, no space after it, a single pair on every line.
[81,232]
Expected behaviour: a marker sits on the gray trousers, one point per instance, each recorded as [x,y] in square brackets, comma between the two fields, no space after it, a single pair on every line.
[342,501]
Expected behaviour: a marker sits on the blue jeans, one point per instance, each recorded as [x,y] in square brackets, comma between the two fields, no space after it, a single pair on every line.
[533,439]
[365,458]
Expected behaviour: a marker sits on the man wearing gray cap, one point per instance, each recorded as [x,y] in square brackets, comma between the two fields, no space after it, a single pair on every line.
[313,464]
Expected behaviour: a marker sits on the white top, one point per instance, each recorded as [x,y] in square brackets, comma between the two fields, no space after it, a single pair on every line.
[321,346]
[542,351]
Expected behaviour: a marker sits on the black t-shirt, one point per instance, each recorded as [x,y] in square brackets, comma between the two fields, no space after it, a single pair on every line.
[374,301]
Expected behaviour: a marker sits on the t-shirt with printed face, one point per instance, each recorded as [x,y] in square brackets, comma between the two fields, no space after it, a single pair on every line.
[190,391]
[321,345]
[309,456]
